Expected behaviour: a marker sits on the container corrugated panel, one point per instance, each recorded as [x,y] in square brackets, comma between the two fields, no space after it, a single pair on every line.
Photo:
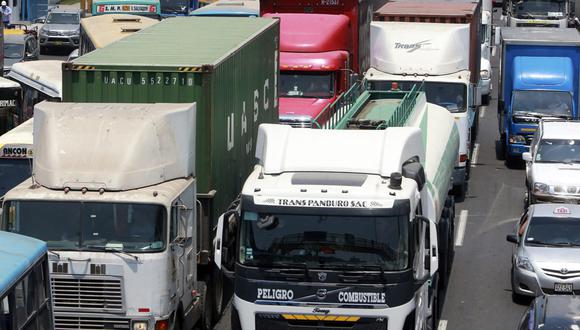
[231,73]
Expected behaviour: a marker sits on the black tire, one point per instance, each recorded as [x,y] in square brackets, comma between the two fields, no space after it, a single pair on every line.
[235,320]
[510,161]
[178,325]
[218,292]
[206,320]
[443,253]
[485,99]
[475,128]
[500,149]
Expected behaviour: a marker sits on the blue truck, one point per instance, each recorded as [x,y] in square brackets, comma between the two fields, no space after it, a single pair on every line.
[539,72]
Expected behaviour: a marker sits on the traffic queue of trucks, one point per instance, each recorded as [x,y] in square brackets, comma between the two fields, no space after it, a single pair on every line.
[154,193]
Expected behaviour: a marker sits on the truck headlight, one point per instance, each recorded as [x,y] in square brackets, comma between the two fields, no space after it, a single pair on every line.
[484,74]
[524,263]
[541,188]
[140,325]
[517,139]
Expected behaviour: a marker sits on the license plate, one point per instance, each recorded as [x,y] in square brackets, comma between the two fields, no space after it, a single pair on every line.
[58,42]
[563,287]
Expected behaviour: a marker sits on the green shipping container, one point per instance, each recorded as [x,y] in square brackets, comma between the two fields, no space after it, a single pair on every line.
[229,66]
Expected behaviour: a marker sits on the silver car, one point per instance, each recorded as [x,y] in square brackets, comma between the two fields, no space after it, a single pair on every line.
[553,163]
[61,29]
[546,257]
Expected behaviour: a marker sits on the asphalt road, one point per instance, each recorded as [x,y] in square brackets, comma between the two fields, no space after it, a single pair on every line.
[479,293]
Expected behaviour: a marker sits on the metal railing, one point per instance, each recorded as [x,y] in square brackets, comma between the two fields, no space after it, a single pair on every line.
[338,114]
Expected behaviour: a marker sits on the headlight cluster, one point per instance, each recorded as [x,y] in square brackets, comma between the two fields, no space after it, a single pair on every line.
[484,74]
[541,188]
[517,139]
[524,263]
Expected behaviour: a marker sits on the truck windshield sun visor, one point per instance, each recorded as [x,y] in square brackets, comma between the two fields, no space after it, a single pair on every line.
[534,103]
[324,242]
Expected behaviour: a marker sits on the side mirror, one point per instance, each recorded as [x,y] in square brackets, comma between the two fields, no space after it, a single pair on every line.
[527,156]
[222,252]
[512,238]
[414,170]
[497,35]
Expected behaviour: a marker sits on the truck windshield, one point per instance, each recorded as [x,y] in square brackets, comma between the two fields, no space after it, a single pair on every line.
[318,85]
[532,8]
[324,242]
[89,226]
[13,172]
[451,96]
[558,151]
[542,103]
[174,6]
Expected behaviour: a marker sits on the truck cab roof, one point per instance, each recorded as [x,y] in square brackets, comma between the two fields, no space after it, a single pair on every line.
[20,136]
[301,33]
[43,75]
[428,11]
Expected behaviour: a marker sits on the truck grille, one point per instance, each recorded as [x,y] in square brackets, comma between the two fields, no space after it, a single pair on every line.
[96,294]
[62,322]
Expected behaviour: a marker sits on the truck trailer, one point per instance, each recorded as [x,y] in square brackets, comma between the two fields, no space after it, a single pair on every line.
[353,237]
[539,73]
[437,43]
[232,75]
[322,45]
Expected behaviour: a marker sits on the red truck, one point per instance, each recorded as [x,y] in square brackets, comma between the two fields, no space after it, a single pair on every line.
[322,44]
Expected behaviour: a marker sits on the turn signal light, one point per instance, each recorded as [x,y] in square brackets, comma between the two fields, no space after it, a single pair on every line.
[462,158]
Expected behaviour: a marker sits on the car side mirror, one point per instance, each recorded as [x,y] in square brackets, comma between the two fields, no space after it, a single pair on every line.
[512,238]
[527,156]
[497,35]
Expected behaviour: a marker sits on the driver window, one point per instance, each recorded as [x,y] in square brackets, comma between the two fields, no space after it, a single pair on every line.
[523,224]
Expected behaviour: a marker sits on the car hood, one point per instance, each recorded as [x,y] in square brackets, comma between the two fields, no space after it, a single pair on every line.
[554,257]
[556,173]
[61,27]
[307,108]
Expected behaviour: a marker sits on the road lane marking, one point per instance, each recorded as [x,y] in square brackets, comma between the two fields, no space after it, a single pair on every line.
[442,325]
[475,155]
[482,112]
[461,227]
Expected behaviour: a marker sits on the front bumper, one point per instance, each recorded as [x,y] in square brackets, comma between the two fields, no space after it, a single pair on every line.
[254,316]
[59,41]
[75,320]
[537,283]
[517,150]
[559,198]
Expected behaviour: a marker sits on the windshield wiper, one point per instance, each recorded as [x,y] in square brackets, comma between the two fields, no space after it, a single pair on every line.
[114,250]
[550,244]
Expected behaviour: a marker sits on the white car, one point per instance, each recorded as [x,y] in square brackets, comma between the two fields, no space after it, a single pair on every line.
[553,163]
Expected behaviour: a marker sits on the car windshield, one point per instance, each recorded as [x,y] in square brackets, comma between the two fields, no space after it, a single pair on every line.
[325,242]
[13,172]
[451,96]
[13,50]
[62,18]
[174,6]
[558,151]
[89,226]
[306,84]
[563,231]
[530,8]
[542,103]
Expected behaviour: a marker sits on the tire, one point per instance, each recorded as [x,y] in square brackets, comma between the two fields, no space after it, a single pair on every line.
[475,128]
[485,99]
[443,253]
[206,320]
[235,320]
[500,149]
[218,292]
[178,325]
[510,161]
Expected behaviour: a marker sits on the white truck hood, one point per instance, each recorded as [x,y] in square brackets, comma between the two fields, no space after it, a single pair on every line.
[426,48]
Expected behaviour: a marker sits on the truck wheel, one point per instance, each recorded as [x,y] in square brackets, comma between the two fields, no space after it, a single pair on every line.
[500,148]
[178,325]
[475,128]
[510,161]
[485,99]
[218,290]
[443,252]
[206,320]
[235,320]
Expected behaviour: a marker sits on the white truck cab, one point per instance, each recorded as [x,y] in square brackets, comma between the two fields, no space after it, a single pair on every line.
[118,212]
